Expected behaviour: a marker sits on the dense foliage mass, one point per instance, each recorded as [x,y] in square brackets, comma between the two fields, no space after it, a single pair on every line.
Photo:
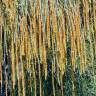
[47,47]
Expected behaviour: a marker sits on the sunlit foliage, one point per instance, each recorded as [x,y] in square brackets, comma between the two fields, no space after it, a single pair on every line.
[46,43]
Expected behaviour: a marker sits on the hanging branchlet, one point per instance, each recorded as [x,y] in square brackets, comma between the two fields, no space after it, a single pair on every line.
[31,28]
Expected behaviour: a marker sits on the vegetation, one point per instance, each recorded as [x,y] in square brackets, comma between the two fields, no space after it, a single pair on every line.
[47,48]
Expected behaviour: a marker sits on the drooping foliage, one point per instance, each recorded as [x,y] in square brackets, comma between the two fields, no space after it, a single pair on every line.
[46,46]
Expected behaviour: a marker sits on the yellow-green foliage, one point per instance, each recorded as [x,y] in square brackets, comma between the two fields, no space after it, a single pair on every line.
[40,25]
